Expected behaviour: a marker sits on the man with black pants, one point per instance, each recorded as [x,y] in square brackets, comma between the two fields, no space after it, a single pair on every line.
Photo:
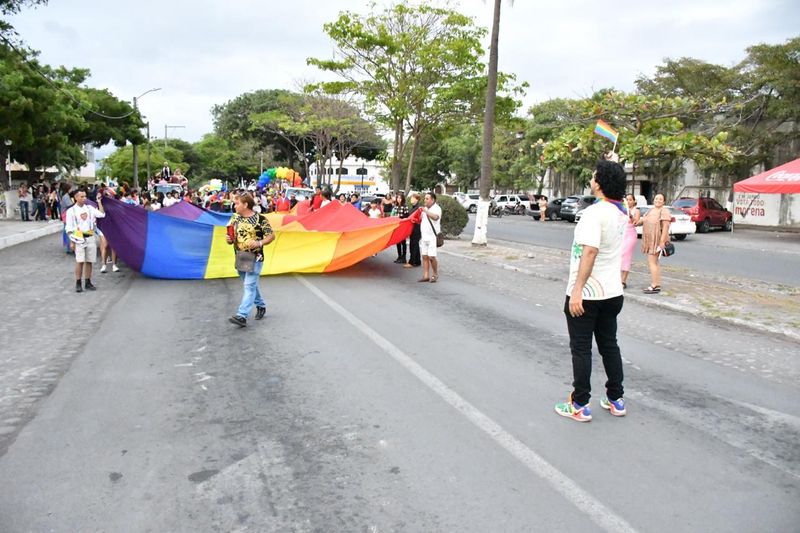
[594,293]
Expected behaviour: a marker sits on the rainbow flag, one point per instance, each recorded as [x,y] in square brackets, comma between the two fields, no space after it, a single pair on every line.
[604,130]
[186,242]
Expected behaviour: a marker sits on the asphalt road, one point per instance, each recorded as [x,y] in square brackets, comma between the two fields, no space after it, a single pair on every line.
[366,401]
[761,255]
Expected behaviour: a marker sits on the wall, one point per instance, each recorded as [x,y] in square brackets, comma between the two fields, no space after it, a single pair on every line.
[767,210]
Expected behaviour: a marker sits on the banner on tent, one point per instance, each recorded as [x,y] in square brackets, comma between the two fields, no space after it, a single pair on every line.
[757,209]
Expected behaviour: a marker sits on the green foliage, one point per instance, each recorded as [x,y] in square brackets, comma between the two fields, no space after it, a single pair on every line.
[416,68]
[49,121]
[454,216]
[120,163]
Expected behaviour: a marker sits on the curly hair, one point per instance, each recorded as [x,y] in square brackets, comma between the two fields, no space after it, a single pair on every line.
[610,177]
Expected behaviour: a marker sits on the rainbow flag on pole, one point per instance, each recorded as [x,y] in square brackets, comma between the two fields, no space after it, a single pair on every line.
[604,130]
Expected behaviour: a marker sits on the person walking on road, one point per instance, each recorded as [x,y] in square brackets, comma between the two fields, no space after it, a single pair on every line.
[655,234]
[594,293]
[249,232]
[629,242]
[430,226]
[81,225]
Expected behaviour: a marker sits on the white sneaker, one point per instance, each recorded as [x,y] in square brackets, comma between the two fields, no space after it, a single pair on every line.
[103,269]
[115,268]
[108,260]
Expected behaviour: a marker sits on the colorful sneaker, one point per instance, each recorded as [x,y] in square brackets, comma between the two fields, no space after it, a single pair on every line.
[617,407]
[570,409]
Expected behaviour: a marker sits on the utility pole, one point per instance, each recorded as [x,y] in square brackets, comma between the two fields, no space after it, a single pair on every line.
[8,147]
[135,148]
[148,151]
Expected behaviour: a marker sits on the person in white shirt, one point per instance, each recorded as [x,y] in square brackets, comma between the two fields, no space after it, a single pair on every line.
[81,226]
[594,292]
[430,226]
[171,199]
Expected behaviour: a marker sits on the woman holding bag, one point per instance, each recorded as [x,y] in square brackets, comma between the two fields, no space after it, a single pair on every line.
[249,232]
[655,234]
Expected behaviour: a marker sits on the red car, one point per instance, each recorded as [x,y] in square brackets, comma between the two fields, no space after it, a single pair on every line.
[706,213]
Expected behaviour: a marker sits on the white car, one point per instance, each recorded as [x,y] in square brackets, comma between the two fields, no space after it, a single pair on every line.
[511,200]
[468,201]
[680,226]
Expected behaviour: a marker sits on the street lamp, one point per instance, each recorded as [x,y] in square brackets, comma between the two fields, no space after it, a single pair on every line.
[8,167]
[135,149]
[165,135]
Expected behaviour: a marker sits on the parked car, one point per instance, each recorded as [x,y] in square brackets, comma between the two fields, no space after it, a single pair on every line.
[511,201]
[680,224]
[573,204]
[706,213]
[469,201]
[553,208]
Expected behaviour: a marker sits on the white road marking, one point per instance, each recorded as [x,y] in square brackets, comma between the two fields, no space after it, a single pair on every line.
[571,491]
[184,364]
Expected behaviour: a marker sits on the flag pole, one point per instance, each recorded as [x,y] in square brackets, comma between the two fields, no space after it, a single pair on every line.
[614,149]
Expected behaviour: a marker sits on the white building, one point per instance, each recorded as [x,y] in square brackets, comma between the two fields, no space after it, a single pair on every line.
[357,175]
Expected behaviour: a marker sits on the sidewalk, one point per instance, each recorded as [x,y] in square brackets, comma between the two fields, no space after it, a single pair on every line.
[761,306]
[15,231]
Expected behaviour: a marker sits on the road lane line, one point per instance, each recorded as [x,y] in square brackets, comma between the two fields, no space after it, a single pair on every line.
[571,491]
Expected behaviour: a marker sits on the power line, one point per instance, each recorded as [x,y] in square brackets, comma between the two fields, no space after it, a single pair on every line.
[36,70]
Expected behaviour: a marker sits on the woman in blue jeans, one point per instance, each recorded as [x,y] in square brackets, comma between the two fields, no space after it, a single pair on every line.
[251,232]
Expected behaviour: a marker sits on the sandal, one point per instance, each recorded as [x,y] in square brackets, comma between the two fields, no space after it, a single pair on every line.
[423,280]
[652,290]
[434,278]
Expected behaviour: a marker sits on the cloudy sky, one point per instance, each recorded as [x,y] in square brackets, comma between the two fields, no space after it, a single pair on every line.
[206,52]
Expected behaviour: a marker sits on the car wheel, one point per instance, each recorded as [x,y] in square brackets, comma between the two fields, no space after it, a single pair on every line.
[473,209]
[704,226]
[728,225]
[553,216]
[679,237]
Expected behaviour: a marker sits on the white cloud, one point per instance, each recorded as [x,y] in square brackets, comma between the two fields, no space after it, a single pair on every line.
[207,52]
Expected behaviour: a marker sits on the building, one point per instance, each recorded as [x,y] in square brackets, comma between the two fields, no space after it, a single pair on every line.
[357,175]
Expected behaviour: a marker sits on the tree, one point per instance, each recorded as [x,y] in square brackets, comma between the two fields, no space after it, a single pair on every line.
[762,97]
[482,217]
[406,63]
[49,113]
[219,157]
[12,7]
[119,164]
[245,118]
[653,135]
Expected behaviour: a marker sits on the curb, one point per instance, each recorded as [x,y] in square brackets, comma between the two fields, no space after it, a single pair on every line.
[649,302]
[30,235]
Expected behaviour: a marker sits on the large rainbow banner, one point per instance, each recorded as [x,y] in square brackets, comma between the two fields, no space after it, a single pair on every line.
[184,241]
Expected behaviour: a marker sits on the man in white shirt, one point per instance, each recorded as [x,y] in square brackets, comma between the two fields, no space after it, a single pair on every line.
[594,293]
[171,199]
[430,225]
[81,226]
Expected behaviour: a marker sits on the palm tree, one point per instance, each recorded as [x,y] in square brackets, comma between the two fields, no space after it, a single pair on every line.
[482,216]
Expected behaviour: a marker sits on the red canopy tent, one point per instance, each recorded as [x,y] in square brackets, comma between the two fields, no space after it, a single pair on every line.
[784,179]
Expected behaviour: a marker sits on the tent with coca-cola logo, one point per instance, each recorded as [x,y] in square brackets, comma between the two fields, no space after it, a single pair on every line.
[784,179]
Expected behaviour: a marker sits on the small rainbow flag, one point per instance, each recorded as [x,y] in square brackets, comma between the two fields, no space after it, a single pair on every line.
[604,130]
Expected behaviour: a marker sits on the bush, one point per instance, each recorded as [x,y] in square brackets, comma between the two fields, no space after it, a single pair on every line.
[454,216]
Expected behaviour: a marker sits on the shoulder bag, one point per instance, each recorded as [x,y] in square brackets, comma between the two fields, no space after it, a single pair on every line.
[439,235]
